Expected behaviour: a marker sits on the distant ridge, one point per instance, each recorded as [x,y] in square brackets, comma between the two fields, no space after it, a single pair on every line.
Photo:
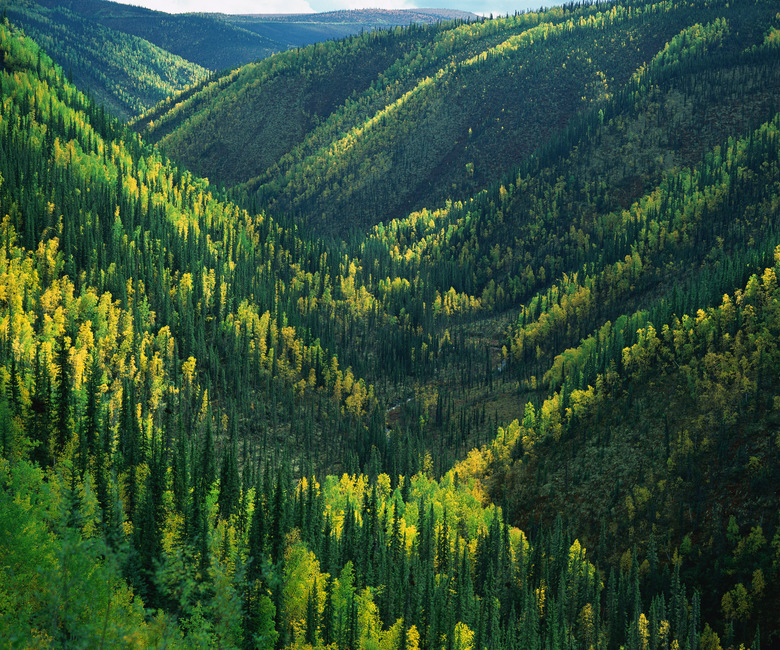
[304,29]
[204,39]
[163,53]
[418,14]
[125,72]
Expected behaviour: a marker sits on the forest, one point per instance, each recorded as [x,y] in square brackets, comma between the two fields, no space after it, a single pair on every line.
[127,74]
[517,387]
[130,58]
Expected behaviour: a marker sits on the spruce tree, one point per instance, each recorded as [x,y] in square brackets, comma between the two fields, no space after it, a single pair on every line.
[312,615]
[63,397]
[40,418]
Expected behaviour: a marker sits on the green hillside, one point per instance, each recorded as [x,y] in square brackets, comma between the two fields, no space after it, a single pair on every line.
[131,58]
[252,116]
[439,121]
[204,39]
[219,41]
[542,414]
[125,73]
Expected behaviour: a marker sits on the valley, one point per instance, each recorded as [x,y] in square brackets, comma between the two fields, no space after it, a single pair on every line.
[458,334]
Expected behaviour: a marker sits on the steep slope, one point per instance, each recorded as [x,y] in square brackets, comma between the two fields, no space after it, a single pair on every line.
[456,125]
[126,73]
[421,54]
[647,400]
[566,210]
[112,499]
[673,444]
[204,39]
[670,449]
[249,118]
[119,220]
[446,118]
[591,230]
[169,360]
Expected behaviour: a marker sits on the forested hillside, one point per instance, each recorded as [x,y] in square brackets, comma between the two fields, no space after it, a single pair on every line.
[304,29]
[249,118]
[542,414]
[131,58]
[124,72]
[440,119]
[204,39]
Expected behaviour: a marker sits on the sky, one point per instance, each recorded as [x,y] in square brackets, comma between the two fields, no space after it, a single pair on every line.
[497,7]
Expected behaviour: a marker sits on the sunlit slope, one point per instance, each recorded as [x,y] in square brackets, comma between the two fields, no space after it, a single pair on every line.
[634,207]
[124,72]
[564,211]
[121,224]
[436,115]
[170,363]
[243,122]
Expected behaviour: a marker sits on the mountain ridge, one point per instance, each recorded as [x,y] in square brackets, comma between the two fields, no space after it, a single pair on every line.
[434,107]
[246,434]
[162,54]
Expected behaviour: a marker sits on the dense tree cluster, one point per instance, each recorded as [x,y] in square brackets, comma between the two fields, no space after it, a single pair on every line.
[205,40]
[217,429]
[126,73]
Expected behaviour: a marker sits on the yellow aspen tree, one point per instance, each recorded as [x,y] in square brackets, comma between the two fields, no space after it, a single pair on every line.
[463,637]
[413,639]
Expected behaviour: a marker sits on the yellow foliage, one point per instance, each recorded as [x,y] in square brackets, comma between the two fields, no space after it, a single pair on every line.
[644,631]
[413,639]
[463,637]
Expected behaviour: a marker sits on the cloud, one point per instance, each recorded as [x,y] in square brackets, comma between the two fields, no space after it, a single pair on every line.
[357,4]
[484,7]
[225,6]
[361,4]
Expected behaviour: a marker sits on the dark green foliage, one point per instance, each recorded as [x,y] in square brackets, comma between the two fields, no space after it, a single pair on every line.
[199,365]
[131,58]
[62,399]
[203,39]
[248,119]
[125,72]
[436,114]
